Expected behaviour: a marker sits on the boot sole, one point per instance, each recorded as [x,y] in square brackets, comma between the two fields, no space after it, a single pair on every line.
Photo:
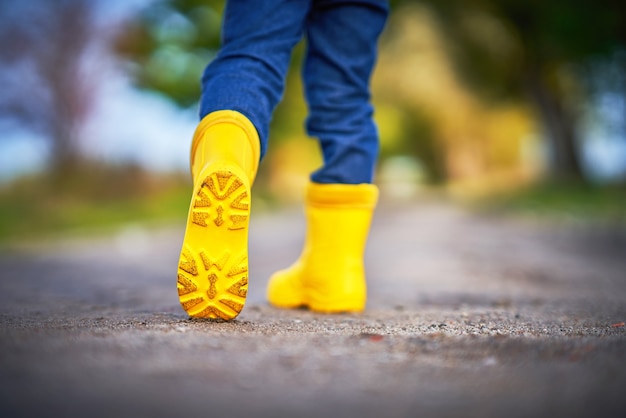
[213,266]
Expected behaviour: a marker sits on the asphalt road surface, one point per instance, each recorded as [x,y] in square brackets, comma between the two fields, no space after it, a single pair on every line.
[468,316]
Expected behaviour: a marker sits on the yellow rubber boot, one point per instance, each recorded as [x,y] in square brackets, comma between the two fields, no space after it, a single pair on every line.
[213,266]
[329,275]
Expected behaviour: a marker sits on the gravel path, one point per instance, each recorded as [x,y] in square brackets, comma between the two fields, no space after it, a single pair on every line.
[468,316]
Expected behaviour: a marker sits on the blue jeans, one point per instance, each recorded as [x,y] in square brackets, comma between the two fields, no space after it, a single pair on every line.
[248,74]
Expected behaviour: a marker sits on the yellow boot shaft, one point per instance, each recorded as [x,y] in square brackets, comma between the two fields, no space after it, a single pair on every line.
[329,275]
[226,136]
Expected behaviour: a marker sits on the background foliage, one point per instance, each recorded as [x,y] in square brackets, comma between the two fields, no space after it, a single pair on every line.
[472,97]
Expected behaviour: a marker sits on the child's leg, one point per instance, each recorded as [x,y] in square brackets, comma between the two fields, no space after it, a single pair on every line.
[249,71]
[342,38]
[241,87]
[329,275]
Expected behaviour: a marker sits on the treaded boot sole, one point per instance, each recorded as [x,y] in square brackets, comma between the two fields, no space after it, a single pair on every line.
[213,266]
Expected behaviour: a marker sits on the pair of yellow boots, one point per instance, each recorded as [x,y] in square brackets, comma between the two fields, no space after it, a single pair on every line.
[213,268]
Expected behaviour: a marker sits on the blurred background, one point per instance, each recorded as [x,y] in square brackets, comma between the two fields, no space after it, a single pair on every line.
[510,105]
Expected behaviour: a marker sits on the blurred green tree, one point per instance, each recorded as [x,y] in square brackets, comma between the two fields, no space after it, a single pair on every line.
[536,51]
[169,44]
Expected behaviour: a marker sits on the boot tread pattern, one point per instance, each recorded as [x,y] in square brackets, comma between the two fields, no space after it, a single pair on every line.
[213,279]
[228,195]
[218,290]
